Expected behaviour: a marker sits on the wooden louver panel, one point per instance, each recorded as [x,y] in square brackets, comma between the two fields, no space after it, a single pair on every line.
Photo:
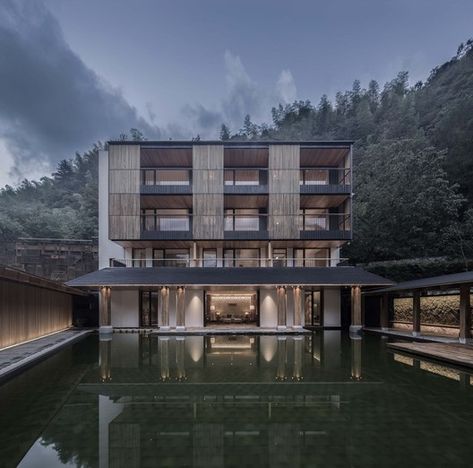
[124,191]
[207,187]
[284,191]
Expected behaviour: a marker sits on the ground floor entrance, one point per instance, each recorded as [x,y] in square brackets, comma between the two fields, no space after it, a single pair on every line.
[231,308]
[180,307]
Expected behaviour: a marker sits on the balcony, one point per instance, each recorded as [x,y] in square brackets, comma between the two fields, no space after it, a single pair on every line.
[324,226]
[325,180]
[225,262]
[163,181]
[310,225]
[245,181]
[166,226]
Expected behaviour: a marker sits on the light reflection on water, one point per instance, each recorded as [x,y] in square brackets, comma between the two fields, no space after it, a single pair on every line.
[319,400]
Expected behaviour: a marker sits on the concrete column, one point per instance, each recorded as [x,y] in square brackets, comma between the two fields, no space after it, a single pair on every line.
[105,317]
[297,295]
[356,320]
[181,308]
[270,254]
[465,313]
[416,313]
[164,308]
[282,307]
[384,316]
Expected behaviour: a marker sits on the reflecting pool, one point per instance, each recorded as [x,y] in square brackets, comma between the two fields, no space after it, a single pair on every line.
[319,400]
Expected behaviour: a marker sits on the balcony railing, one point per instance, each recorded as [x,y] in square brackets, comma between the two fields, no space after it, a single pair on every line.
[249,222]
[242,180]
[226,262]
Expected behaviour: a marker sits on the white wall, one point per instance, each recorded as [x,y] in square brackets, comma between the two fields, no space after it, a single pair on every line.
[268,310]
[331,314]
[125,308]
[107,248]
[194,308]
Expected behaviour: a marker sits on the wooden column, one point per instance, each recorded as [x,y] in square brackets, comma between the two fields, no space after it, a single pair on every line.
[356,373]
[384,316]
[164,308]
[297,295]
[465,313]
[356,320]
[181,308]
[105,310]
[282,307]
[297,370]
[105,357]
[416,313]
[163,344]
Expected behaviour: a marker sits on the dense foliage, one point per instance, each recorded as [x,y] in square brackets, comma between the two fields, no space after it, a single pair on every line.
[413,161]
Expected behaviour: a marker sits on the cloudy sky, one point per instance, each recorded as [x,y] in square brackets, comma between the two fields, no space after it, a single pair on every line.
[76,71]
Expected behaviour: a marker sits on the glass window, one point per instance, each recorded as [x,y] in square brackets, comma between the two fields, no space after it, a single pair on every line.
[298,257]
[158,257]
[247,177]
[314,177]
[173,177]
[149,220]
[228,258]
[279,258]
[210,258]
[149,308]
[176,257]
[229,177]
[172,220]
[241,220]
[314,219]
[247,257]
[139,257]
[149,177]
[311,257]
[313,308]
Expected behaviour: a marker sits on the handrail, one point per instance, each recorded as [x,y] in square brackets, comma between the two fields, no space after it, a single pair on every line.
[222,262]
[308,176]
[255,221]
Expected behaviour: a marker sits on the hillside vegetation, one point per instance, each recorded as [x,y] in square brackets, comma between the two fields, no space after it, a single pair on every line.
[413,162]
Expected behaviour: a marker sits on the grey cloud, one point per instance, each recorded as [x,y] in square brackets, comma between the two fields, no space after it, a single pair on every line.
[51,103]
[244,96]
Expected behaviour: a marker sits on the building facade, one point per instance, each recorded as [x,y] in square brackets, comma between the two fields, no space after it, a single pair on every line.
[225,233]
[54,259]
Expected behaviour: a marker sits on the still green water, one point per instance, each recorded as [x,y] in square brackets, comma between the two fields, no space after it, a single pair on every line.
[318,400]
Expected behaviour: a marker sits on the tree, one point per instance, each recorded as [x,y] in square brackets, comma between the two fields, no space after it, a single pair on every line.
[224,132]
[404,202]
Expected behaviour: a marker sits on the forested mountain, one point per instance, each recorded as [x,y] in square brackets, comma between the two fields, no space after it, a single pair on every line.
[413,159]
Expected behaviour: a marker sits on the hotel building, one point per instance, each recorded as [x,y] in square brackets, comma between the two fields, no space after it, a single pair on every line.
[199,234]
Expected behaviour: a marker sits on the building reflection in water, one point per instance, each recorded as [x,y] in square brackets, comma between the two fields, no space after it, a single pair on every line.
[235,396]
[105,355]
[356,349]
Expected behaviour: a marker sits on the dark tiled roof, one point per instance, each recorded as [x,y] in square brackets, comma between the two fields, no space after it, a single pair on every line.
[22,277]
[330,143]
[334,276]
[452,280]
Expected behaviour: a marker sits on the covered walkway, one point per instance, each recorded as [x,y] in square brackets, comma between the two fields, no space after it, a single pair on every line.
[415,289]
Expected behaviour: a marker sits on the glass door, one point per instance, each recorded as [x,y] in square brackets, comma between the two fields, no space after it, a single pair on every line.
[313,308]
